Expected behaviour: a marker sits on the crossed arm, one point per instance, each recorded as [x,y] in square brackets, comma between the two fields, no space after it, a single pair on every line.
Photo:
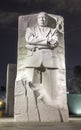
[34,41]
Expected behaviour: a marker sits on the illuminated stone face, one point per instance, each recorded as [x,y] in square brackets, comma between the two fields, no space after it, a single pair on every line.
[40,82]
[42,19]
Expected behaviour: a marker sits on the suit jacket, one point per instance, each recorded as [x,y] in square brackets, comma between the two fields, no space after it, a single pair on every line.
[47,57]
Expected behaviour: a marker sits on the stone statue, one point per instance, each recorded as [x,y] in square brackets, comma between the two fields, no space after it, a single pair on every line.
[41,42]
[40,78]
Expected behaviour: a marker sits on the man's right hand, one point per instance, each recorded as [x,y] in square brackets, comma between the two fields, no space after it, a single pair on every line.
[34,49]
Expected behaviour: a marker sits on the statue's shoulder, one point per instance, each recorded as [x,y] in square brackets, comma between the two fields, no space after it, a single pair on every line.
[31,29]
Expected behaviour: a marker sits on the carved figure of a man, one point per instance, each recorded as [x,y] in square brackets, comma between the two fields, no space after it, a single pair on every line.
[42,59]
[43,39]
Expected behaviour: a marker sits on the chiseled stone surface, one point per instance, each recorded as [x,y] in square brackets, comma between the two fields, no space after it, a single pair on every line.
[10,86]
[25,108]
[40,87]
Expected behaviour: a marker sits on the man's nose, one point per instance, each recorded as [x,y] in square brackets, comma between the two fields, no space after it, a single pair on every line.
[42,19]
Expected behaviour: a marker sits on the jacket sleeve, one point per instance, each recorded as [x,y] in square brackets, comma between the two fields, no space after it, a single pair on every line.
[54,36]
[30,35]
[33,38]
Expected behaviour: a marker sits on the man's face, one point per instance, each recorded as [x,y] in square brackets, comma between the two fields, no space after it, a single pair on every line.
[42,19]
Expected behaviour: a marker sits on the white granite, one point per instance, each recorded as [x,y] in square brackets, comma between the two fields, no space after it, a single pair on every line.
[44,99]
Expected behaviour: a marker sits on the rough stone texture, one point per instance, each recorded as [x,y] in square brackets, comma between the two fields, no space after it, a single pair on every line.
[10,85]
[27,105]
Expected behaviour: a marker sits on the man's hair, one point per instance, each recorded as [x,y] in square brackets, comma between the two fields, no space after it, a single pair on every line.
[43,13]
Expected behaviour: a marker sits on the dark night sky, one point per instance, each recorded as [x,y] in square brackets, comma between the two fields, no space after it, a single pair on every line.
[11,9]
